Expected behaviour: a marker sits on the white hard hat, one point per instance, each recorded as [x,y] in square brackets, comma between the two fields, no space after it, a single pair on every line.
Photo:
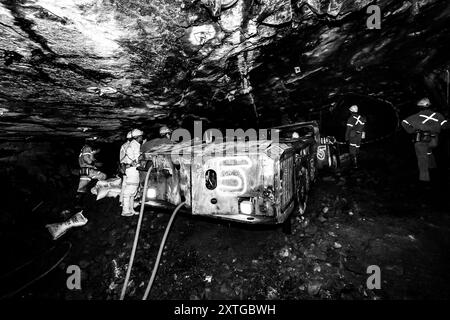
[295,135]
[354,108]
[129,135]
[164,130]
[136,133]
[425,102]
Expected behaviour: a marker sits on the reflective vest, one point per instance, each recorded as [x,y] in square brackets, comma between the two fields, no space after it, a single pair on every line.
[424,120]
[356,123]
[123,151]
[130,153]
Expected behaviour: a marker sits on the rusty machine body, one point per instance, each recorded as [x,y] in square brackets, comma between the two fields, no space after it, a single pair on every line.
[261,181]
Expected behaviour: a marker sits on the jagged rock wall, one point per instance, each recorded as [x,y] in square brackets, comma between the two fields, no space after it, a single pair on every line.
[79,67]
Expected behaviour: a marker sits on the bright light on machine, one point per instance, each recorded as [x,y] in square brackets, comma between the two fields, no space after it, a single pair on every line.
[246,207]
[151,193]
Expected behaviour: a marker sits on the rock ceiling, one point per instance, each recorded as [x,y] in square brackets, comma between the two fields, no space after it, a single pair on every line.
[76,67]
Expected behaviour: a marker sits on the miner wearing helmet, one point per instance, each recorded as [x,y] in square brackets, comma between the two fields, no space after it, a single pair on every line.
[122,153]
[123,165]
[426,126]
[355,133]
[130,160]
[165,132]
[164,138]
[88,165]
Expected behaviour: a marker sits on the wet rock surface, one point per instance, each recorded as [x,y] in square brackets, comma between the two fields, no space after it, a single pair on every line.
[72,68]
[375,217]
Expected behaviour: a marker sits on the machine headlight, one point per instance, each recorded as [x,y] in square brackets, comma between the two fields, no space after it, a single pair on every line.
[151,193]
[246,207]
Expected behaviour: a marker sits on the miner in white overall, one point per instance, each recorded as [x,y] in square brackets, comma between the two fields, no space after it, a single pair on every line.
[131,183]
[122,165]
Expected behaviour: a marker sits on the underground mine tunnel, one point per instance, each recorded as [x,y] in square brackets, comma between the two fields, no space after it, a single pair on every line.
[330,203]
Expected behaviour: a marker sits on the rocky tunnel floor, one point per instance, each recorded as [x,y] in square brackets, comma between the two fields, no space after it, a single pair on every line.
[355,218]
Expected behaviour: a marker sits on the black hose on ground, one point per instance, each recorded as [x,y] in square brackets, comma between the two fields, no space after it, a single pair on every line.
[161,247]
[14,292]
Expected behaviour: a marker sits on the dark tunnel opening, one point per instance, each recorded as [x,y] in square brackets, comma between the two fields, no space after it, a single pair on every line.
[382,118]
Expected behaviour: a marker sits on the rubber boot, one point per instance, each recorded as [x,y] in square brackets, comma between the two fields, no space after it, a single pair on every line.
[127,201]
[425,192]
[355,162]
[79,200]
[124,183]
[137,204]
[84,181]
[132,206]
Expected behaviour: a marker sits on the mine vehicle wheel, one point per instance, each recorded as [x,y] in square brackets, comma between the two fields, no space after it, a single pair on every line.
[334,162]
[301,197]
[306,182]
[287,224]
[228,4]
[312,170]
[301,194]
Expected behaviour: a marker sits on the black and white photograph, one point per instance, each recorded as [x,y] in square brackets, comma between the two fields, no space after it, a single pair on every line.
[224,156]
